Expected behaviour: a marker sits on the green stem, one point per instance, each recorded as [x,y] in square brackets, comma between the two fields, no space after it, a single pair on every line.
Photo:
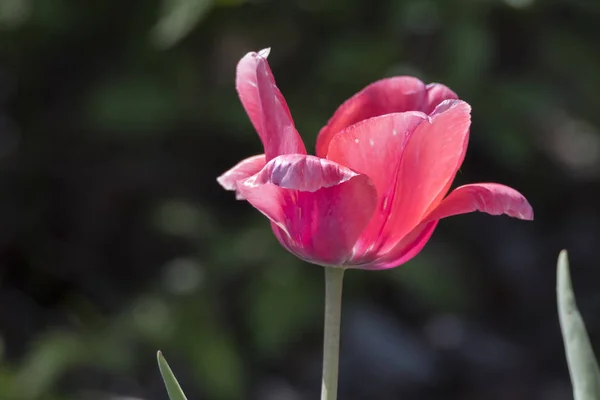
[334,278]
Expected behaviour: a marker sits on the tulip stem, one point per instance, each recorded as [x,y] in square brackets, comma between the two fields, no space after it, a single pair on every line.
[334,278]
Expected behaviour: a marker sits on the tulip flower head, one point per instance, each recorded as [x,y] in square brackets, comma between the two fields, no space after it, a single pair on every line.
[374,192]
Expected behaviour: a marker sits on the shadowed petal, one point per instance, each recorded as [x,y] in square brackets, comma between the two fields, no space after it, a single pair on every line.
[320,207]
[374,147]
[242,170]
[391,95]
[407,248]
[431,158]
[491,198]
[436,93]
[266,106]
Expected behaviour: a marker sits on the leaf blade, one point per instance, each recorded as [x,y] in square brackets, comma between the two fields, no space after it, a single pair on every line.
[583,367]
[173,388]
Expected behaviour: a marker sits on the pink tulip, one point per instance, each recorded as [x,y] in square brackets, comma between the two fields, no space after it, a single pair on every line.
[376,189]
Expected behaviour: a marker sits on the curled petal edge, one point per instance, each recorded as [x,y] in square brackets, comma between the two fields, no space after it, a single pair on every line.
[242,170]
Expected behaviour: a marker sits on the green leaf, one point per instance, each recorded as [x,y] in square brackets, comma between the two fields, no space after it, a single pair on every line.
[173,388]
[583,367]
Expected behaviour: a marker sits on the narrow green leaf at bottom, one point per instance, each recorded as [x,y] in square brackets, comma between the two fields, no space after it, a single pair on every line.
[583,367]
[173,388]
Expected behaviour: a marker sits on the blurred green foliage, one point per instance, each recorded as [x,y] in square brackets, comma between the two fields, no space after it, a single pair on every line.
[117,240]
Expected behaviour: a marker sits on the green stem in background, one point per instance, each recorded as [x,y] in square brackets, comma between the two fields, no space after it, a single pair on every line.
[334,278]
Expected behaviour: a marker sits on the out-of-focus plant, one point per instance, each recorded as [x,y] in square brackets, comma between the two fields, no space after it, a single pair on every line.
[179,17]
[583,367]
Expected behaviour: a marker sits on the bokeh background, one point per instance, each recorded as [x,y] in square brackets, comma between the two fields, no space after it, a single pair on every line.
[115,239]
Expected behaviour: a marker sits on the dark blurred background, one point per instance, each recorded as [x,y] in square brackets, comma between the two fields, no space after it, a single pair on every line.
[115,239]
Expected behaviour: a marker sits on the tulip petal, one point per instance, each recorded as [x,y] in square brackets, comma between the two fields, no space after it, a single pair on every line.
[436,93]
[266,106]
[491,198]
[407,248]
[242,170]
[431,158]
[319,206]
[390,95]
[374,147]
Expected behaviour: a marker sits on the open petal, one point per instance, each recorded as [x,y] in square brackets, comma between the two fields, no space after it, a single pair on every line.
[391,95]
[374,147]
[432,156]
[242,170]
[319,206]
[491,198]
[266,106]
